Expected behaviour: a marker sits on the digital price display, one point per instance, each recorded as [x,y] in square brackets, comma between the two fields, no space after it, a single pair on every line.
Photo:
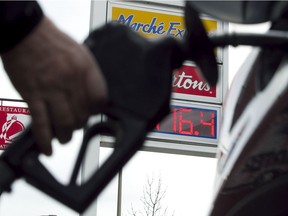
[193,123]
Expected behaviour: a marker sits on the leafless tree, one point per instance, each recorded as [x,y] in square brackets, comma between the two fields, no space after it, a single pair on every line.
[153,195]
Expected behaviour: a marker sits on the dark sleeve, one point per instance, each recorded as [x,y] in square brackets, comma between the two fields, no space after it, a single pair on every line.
[17,20]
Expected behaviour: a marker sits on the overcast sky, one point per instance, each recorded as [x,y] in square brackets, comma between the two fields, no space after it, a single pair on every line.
[189,180]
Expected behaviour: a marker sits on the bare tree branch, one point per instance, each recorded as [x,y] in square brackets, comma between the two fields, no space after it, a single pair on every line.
[153,195]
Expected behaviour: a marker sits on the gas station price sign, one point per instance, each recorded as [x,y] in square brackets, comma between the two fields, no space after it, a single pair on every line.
[190,122]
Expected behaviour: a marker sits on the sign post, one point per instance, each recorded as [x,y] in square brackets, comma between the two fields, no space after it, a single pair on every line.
[192,97]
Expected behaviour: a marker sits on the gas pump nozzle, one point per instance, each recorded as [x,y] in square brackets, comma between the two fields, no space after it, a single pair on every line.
[138,73]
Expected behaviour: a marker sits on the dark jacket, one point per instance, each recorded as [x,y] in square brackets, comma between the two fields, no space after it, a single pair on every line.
[17,20]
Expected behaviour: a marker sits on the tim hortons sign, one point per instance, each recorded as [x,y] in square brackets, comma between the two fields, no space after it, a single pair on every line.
[188,81]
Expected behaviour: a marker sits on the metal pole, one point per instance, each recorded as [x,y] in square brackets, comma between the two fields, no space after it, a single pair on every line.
[119,195]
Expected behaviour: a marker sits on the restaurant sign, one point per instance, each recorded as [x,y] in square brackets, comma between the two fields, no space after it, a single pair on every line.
[13,120]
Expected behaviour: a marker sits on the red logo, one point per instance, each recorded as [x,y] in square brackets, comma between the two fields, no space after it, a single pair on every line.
[11,129]
[187,80]
[12,123]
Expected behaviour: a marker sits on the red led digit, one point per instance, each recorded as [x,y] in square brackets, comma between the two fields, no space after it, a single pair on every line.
[210,124]
[183,122]
[175,120]
[157,126]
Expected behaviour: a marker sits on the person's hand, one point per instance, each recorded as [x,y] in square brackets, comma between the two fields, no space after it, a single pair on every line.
[60,81]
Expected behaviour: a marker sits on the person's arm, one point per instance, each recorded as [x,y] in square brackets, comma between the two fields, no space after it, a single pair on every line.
[58,78]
